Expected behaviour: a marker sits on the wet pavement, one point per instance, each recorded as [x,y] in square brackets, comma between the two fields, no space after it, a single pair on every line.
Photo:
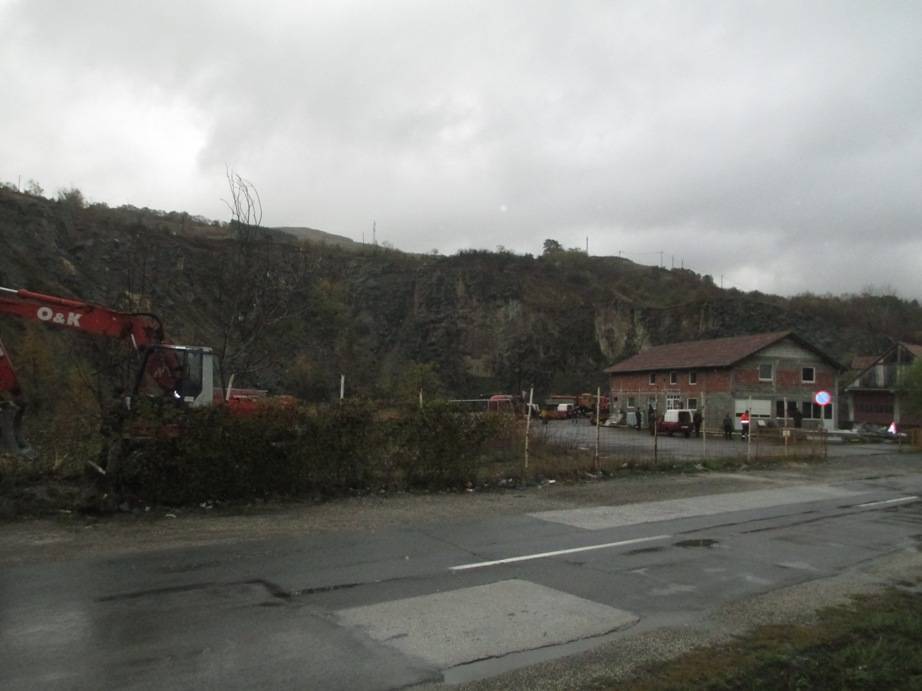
[410,604]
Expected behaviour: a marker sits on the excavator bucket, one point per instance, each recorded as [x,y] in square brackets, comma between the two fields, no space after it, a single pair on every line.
[11,441]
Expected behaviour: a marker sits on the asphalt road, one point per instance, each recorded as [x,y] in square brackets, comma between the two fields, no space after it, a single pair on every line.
[628,443]
[446,600]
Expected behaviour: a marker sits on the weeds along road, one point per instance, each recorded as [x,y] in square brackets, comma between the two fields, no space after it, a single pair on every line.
[542,588]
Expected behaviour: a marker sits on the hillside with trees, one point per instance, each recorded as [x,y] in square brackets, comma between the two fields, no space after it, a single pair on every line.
[292,314]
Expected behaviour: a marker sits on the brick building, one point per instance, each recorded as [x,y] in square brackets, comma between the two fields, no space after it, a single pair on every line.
[872,396]
[769,374]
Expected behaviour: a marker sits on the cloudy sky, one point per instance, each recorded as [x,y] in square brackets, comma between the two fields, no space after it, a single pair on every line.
[778,144]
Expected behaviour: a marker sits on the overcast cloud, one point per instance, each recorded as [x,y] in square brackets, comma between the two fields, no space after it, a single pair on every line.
[777,144]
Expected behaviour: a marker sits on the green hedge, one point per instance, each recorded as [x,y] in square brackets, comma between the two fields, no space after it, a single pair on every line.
[212,454]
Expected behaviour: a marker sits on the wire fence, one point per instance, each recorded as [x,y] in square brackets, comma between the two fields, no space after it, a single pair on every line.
[620,442]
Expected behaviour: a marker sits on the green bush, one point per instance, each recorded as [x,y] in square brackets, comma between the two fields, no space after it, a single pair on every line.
[213,454]
[441,448]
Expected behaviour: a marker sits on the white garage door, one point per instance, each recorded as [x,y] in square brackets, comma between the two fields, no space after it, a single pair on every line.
[757,408]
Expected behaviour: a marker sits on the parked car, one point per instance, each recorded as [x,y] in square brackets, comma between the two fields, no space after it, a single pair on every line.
[672,421]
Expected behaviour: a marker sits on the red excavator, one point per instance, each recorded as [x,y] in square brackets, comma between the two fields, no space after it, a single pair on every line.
[182,374]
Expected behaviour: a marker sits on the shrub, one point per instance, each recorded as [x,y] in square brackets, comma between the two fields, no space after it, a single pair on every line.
[442,447]
[213,454]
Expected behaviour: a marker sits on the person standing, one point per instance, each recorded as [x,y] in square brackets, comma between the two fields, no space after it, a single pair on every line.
[728,427]
[744,424]
[638,421]
[696,421]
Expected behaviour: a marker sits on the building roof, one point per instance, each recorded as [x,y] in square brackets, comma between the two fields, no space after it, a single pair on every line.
[717,352]
[862,362]
[868,361]
[913,348]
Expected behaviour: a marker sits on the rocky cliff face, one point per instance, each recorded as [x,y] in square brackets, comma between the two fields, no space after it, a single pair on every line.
[467,324]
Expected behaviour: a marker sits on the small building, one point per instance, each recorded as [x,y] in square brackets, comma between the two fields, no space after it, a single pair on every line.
[772,375]
[871,394]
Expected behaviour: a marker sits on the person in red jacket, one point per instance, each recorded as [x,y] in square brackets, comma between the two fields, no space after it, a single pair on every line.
[744,424]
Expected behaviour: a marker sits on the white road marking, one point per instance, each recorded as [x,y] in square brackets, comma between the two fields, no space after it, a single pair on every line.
[544,555]
[887,501]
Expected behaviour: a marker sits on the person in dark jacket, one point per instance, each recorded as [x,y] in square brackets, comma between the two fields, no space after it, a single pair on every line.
[696,421]
[728,427]
[638,419]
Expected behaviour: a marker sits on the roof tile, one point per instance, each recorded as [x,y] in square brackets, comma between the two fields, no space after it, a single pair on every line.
[718,352]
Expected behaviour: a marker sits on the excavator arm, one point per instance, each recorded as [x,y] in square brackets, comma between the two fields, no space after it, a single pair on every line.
[142,329]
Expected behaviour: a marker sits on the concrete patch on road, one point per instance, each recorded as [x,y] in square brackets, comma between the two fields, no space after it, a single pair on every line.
[602,517]
[460,626]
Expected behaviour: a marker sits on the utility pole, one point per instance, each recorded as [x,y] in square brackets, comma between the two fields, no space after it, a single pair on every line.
[531,398]
[374,232]
[661,259]
[749,432]
[596,464]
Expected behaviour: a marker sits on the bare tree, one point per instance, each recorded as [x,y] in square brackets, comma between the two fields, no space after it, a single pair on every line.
[245,206]
[254,287]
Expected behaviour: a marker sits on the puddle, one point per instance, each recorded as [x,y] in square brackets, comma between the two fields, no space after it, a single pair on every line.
[703,542]
[646,550]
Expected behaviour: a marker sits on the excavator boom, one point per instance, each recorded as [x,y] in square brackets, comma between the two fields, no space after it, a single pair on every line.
[185,373]
[142,328]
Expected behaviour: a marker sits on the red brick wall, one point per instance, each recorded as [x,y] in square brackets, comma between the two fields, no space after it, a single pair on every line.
[726,381]
[639,383]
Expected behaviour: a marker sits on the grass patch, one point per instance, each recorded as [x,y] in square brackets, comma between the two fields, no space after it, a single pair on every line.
[872,643]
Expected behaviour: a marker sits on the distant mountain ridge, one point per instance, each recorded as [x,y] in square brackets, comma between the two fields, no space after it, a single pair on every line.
[321,236]
[463,325]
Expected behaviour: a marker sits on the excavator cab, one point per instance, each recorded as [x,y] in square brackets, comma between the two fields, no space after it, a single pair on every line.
[183,373]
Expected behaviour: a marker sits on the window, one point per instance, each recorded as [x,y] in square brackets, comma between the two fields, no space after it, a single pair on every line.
[673,401]
[812,411]
[765,372]
[808,375]
[779,409]
[172,371]
[692,377]
[630,402]
[673,378]
[692,403]
[652,377]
